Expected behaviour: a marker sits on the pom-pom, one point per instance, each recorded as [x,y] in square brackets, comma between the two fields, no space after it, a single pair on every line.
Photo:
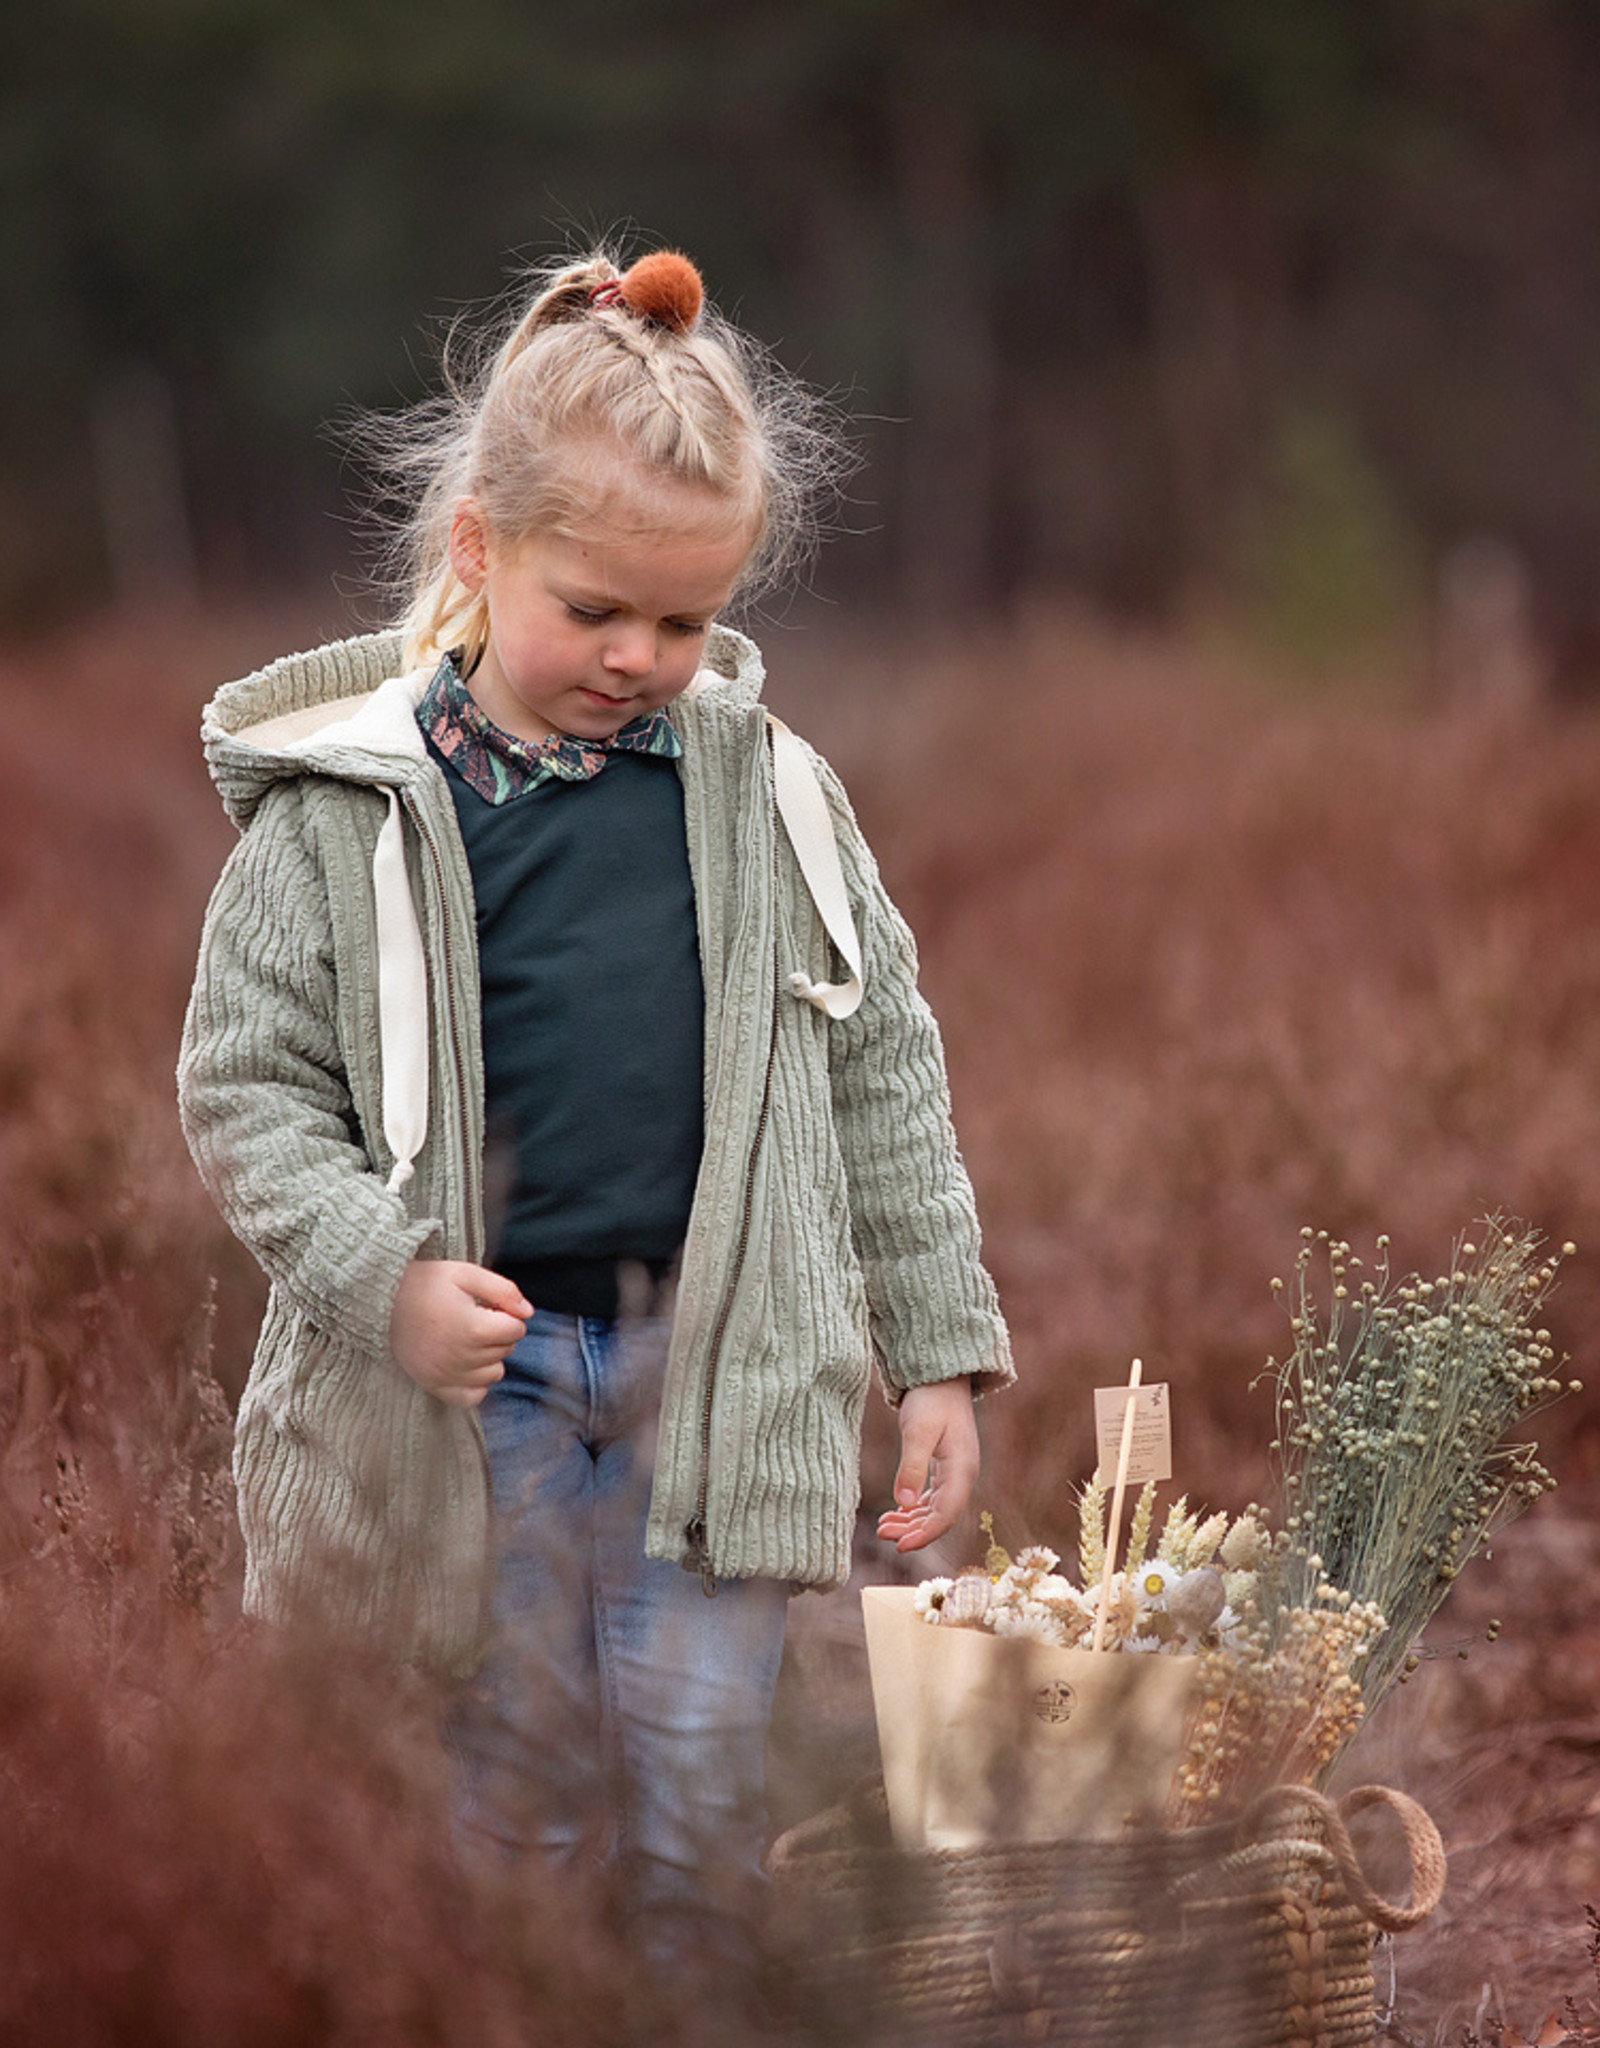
[665,287]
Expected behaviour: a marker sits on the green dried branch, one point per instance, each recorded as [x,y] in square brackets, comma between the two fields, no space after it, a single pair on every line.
[1395,1409]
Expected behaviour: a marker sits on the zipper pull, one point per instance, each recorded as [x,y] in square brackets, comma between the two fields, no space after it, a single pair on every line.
[699,1557]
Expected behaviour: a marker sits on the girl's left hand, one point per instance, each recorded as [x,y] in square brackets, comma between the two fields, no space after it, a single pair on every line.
[938,1464]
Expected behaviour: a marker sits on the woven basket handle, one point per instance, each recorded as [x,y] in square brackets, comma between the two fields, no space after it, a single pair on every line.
[862,1815]
[1423,1845]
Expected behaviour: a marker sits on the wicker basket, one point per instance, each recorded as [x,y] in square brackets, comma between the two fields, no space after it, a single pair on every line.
[1257,1934]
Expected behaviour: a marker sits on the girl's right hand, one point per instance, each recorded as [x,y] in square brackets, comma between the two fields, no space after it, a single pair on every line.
[452,1325]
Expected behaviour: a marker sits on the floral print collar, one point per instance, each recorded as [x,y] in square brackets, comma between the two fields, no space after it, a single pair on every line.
[500,767]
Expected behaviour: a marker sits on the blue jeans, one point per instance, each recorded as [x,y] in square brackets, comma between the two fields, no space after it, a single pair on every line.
[621,1712]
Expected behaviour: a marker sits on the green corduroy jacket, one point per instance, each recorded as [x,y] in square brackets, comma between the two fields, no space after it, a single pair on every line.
[832,1219]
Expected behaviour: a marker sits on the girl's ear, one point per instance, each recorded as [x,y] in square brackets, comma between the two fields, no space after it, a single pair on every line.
[469,545]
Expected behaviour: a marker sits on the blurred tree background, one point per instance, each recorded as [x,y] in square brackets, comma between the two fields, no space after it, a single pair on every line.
[1289,308]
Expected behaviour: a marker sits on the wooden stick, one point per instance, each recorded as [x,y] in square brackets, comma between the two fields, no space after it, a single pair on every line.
[1114,1531]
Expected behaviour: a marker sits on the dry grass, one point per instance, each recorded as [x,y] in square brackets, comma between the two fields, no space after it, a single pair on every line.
[1212,962]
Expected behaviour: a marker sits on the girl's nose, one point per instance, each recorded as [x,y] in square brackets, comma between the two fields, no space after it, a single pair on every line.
[631,650]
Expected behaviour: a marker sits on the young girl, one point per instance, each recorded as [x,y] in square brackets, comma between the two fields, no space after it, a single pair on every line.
[587,1183]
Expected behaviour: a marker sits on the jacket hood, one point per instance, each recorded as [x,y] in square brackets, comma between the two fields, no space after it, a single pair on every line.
[347,710]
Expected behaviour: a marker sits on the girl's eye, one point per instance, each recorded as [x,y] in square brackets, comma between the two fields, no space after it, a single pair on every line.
[587,618]
[688,627]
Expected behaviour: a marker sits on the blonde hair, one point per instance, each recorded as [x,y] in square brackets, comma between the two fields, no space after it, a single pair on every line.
[688,400]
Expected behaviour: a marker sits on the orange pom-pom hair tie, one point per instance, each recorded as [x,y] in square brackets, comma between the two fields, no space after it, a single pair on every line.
[664,287]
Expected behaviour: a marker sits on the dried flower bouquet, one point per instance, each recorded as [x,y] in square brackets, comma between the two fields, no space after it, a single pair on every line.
[1395,1407]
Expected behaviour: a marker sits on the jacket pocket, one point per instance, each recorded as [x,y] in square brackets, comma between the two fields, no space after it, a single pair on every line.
[364,1503]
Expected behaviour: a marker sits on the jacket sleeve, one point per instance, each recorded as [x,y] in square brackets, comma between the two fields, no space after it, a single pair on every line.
[934,1312]
[263,1096]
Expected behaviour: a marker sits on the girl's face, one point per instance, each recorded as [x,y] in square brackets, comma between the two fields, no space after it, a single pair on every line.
[589,630]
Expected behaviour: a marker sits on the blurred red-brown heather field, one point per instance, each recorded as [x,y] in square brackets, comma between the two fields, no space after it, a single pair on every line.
[1216,957]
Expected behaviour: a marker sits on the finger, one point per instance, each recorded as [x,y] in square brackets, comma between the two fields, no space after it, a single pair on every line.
[938,1523]
[493,1330]
[493,1290]
[918,1533]
[896,1522]
[958,1477]
[918,1443]
[938,1509]
[460,1397]
[473,1375]
[911,1481]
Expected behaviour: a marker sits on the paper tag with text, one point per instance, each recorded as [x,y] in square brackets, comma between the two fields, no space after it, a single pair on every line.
[1151,1456]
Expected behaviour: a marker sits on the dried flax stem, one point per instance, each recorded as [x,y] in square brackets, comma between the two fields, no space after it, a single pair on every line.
[1124,1453]
[1398,1418]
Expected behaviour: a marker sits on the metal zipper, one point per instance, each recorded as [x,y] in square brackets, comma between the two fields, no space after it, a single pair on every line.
[699,1557]
[473,1166]
[694,1530]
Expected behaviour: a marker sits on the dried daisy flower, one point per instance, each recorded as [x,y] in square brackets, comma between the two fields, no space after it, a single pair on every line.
[1034,1621]
[929,1599]
[1013,1586]
[1154,1581]
[1071,1614]
[1055,1592]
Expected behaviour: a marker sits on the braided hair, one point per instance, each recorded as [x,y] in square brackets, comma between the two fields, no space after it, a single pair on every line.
[606,372]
